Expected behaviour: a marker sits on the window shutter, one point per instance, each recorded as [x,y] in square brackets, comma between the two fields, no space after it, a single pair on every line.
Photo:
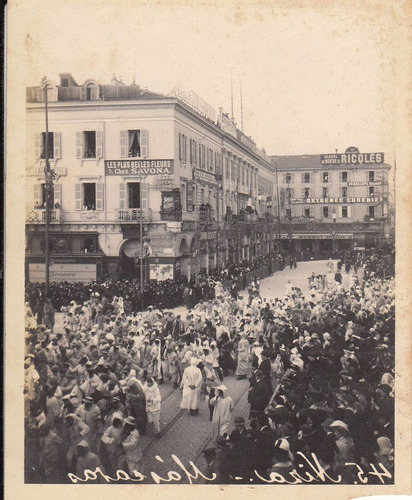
[303,178]
[180,146]
[78,194]
[349,211]
[37,194]
[99,144]
[57,145]
[122,195]
[39,95]
[58,194]
[79,144]
[123,143]
[83,93]
[99,196]
[94,93]
[38,145]
[144,143]
[143,195]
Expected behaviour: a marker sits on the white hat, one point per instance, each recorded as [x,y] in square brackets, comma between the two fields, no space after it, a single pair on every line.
[340,425]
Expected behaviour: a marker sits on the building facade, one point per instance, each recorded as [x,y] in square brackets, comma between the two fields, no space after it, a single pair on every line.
[142,182]
[334,201]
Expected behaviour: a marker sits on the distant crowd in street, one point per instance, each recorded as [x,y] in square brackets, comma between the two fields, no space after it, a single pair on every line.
[320,365]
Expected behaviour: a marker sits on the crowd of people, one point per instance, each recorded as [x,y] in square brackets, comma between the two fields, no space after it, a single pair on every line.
[320,364]
[165,294]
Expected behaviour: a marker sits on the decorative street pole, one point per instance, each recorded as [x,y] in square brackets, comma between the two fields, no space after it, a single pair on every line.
[49,188]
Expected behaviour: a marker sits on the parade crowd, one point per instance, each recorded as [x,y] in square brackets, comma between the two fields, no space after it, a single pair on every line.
[320,364]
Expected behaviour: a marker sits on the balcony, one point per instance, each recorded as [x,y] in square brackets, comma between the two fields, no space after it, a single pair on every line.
[38,216]
[133,215]
[39,171]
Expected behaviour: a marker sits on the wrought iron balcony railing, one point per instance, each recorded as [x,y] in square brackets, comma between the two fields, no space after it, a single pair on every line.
[133,215]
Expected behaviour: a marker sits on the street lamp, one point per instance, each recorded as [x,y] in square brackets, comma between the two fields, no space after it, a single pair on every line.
[49,175]
[333,230]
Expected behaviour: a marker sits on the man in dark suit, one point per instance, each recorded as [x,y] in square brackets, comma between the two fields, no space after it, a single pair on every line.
[258,396]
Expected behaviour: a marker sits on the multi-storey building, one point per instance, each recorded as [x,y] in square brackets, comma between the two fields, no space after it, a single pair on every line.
[333,201]
[132,166]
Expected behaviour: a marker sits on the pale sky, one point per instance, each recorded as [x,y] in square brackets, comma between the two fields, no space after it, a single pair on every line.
[314,78]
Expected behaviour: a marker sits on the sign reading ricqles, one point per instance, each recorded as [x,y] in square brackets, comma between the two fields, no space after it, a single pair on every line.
[352,156]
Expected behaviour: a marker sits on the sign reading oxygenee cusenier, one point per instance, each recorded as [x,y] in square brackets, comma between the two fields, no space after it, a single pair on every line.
[352,159]
[138,167]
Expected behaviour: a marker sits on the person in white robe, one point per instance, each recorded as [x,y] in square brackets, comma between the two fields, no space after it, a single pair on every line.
[222,413]
[191,383]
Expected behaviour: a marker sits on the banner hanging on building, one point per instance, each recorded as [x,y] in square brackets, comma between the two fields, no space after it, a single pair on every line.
[138,167]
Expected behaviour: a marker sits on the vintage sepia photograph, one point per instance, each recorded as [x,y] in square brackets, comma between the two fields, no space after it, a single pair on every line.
[205,203]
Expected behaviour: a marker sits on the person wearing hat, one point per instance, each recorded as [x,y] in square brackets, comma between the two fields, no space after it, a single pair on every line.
[131,445]
[48,314]
[345,450]
[153,404]
[89,412]
[283,460]
[31,378]
[145,356]
[243,354]
[86,460]
[136,403]
[191,383]
[112,443]
[258,396]
[76,430]
[222,412]
[266,368]
[244,452]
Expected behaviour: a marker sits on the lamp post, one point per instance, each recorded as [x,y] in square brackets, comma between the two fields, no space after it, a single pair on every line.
[48,174]
[333,230]
[196,228]
[218,178]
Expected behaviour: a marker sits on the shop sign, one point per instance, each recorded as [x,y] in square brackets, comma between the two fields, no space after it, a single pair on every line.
[365,183]
[138,167]
[63,272]
[352,159]
[163,182]
[161,272]
[329,201]
[320,236]
[201,175]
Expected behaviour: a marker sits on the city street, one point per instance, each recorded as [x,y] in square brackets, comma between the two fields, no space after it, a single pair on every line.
[185,437]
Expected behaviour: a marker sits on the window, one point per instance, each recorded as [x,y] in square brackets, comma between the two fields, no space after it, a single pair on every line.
[43,197]
[371,175]
[371,211]
[344,192]
[133,194]
[306,193]
[288,213]
[182,147]
[289,192]
[89,196]
[64,82]
[371,191]
[288,178]
[89,144]
[88,246]
[344,212]
[232,167]
[324,192]
[325,212]
[325,176]
[134,144]
[307,212]
[227,173]
[306,178]
[243,174]
[344,176]
[50,146]
[193,152]
[202,196]
[247,177]
[183,195]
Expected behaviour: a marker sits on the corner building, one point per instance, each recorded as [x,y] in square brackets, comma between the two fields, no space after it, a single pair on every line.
[132,166]
[333,202]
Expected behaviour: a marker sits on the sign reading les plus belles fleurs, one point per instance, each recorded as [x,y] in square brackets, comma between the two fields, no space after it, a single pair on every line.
[138,167]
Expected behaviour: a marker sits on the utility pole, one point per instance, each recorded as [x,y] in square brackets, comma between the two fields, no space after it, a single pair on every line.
[196,227]
[141,241]
[49,187]
[278,207]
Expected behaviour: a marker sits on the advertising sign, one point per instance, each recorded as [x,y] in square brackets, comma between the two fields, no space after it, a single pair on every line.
[352,159]
[365,183]
[331,201]
[161,272]
[138,167]
[63,272]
